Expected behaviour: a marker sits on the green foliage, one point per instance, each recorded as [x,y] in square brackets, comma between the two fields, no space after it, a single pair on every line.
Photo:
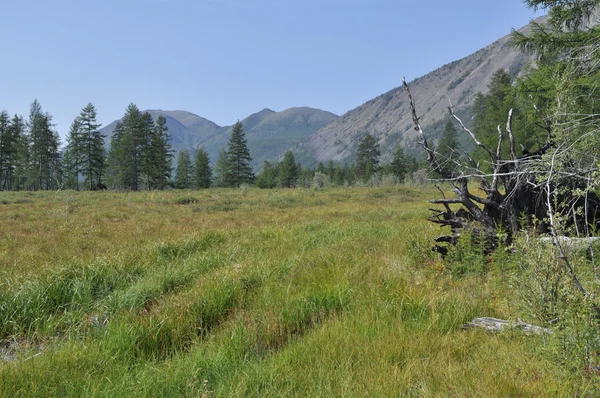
[239,170]
[43,170]
[288,171]
[203,178]
[367,158]
[140,152]
[88,143]
[268,176]
[399,166]
[184,174]
[159,155]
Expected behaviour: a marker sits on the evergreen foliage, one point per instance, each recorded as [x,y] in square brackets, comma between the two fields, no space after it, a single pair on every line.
[367,158]
[239,170]
[221,169]
[288,171]
[399,165]
[90,147]
[184,174]
[203,176]
[159,155]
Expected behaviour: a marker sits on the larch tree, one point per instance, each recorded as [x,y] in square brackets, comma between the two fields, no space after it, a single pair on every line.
[238,159]
[161,155]
[203,177]
[73,157]
[288,172]
[367,158]
[399,165]
[184,171]
[91,144]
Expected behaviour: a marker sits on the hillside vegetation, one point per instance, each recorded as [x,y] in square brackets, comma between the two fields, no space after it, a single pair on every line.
[245,292]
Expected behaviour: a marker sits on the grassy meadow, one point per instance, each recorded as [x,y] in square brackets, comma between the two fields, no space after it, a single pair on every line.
[247,292]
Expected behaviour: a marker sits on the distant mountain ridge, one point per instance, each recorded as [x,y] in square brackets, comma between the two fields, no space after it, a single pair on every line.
[388,117]
[269,133]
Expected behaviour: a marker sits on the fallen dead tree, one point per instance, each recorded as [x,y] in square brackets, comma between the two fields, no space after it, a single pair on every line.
[519,190]
[515,191]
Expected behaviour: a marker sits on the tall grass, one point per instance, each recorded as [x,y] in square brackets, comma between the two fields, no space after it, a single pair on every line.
[257,293]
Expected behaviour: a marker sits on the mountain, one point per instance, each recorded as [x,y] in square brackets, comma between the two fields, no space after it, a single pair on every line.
[186,129]
[388,117]
[269,133]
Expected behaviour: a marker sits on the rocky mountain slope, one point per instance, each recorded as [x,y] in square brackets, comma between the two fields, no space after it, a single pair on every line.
[387,117]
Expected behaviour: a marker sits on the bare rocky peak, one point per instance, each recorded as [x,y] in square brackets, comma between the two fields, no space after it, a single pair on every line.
[387,117]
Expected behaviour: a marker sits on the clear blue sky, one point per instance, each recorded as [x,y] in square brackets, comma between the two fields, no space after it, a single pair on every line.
[225,59]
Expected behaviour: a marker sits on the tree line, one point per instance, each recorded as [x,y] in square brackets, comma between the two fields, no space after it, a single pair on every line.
[140,157]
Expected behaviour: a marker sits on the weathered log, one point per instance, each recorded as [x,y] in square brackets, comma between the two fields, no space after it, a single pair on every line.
[499,325]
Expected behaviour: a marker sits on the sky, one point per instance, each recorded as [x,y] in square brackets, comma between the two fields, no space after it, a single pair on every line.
[226,59]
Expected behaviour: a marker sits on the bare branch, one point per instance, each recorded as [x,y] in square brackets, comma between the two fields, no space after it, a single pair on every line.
[477,142]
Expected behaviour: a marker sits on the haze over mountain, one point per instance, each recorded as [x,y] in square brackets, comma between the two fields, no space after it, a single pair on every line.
[388,117]
[269,133]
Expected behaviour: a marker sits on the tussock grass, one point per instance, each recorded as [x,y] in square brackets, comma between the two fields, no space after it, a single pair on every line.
[231,293]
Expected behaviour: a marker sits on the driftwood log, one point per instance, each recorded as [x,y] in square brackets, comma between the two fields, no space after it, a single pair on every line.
[499,325]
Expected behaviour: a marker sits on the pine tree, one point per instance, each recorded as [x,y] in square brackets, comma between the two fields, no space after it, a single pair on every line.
[73,157]
[6,149]
[288,173]
[203,170]
[367,157]
[161,155]
[184,171]
[399,164]
[11,132]
[338,176]
[127,150]
[91,142]
[221,169]
[21,163]
[268,176]
[238,159]
[148,158]
[44,154]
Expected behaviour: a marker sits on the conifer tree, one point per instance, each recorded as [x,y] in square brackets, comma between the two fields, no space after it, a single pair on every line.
[238,158]
[203,177]
[367,157]
[73,157]
[126,150]
[20,164]
[221,169]
[44,154]
[399,165]
[185,171]
[269,176]
[6,149]
[91,145]
[338,176]
[288,173]
[147,156]
[161,155]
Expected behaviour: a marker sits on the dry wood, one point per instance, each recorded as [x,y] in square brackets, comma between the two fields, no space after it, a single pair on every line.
[499,325]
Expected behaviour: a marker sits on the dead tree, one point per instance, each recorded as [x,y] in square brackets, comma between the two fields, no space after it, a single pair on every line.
[512,192]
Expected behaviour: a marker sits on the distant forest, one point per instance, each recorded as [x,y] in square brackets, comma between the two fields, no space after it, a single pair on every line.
[141,158]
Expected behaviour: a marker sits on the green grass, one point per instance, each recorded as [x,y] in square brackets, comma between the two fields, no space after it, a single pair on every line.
[232,293]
